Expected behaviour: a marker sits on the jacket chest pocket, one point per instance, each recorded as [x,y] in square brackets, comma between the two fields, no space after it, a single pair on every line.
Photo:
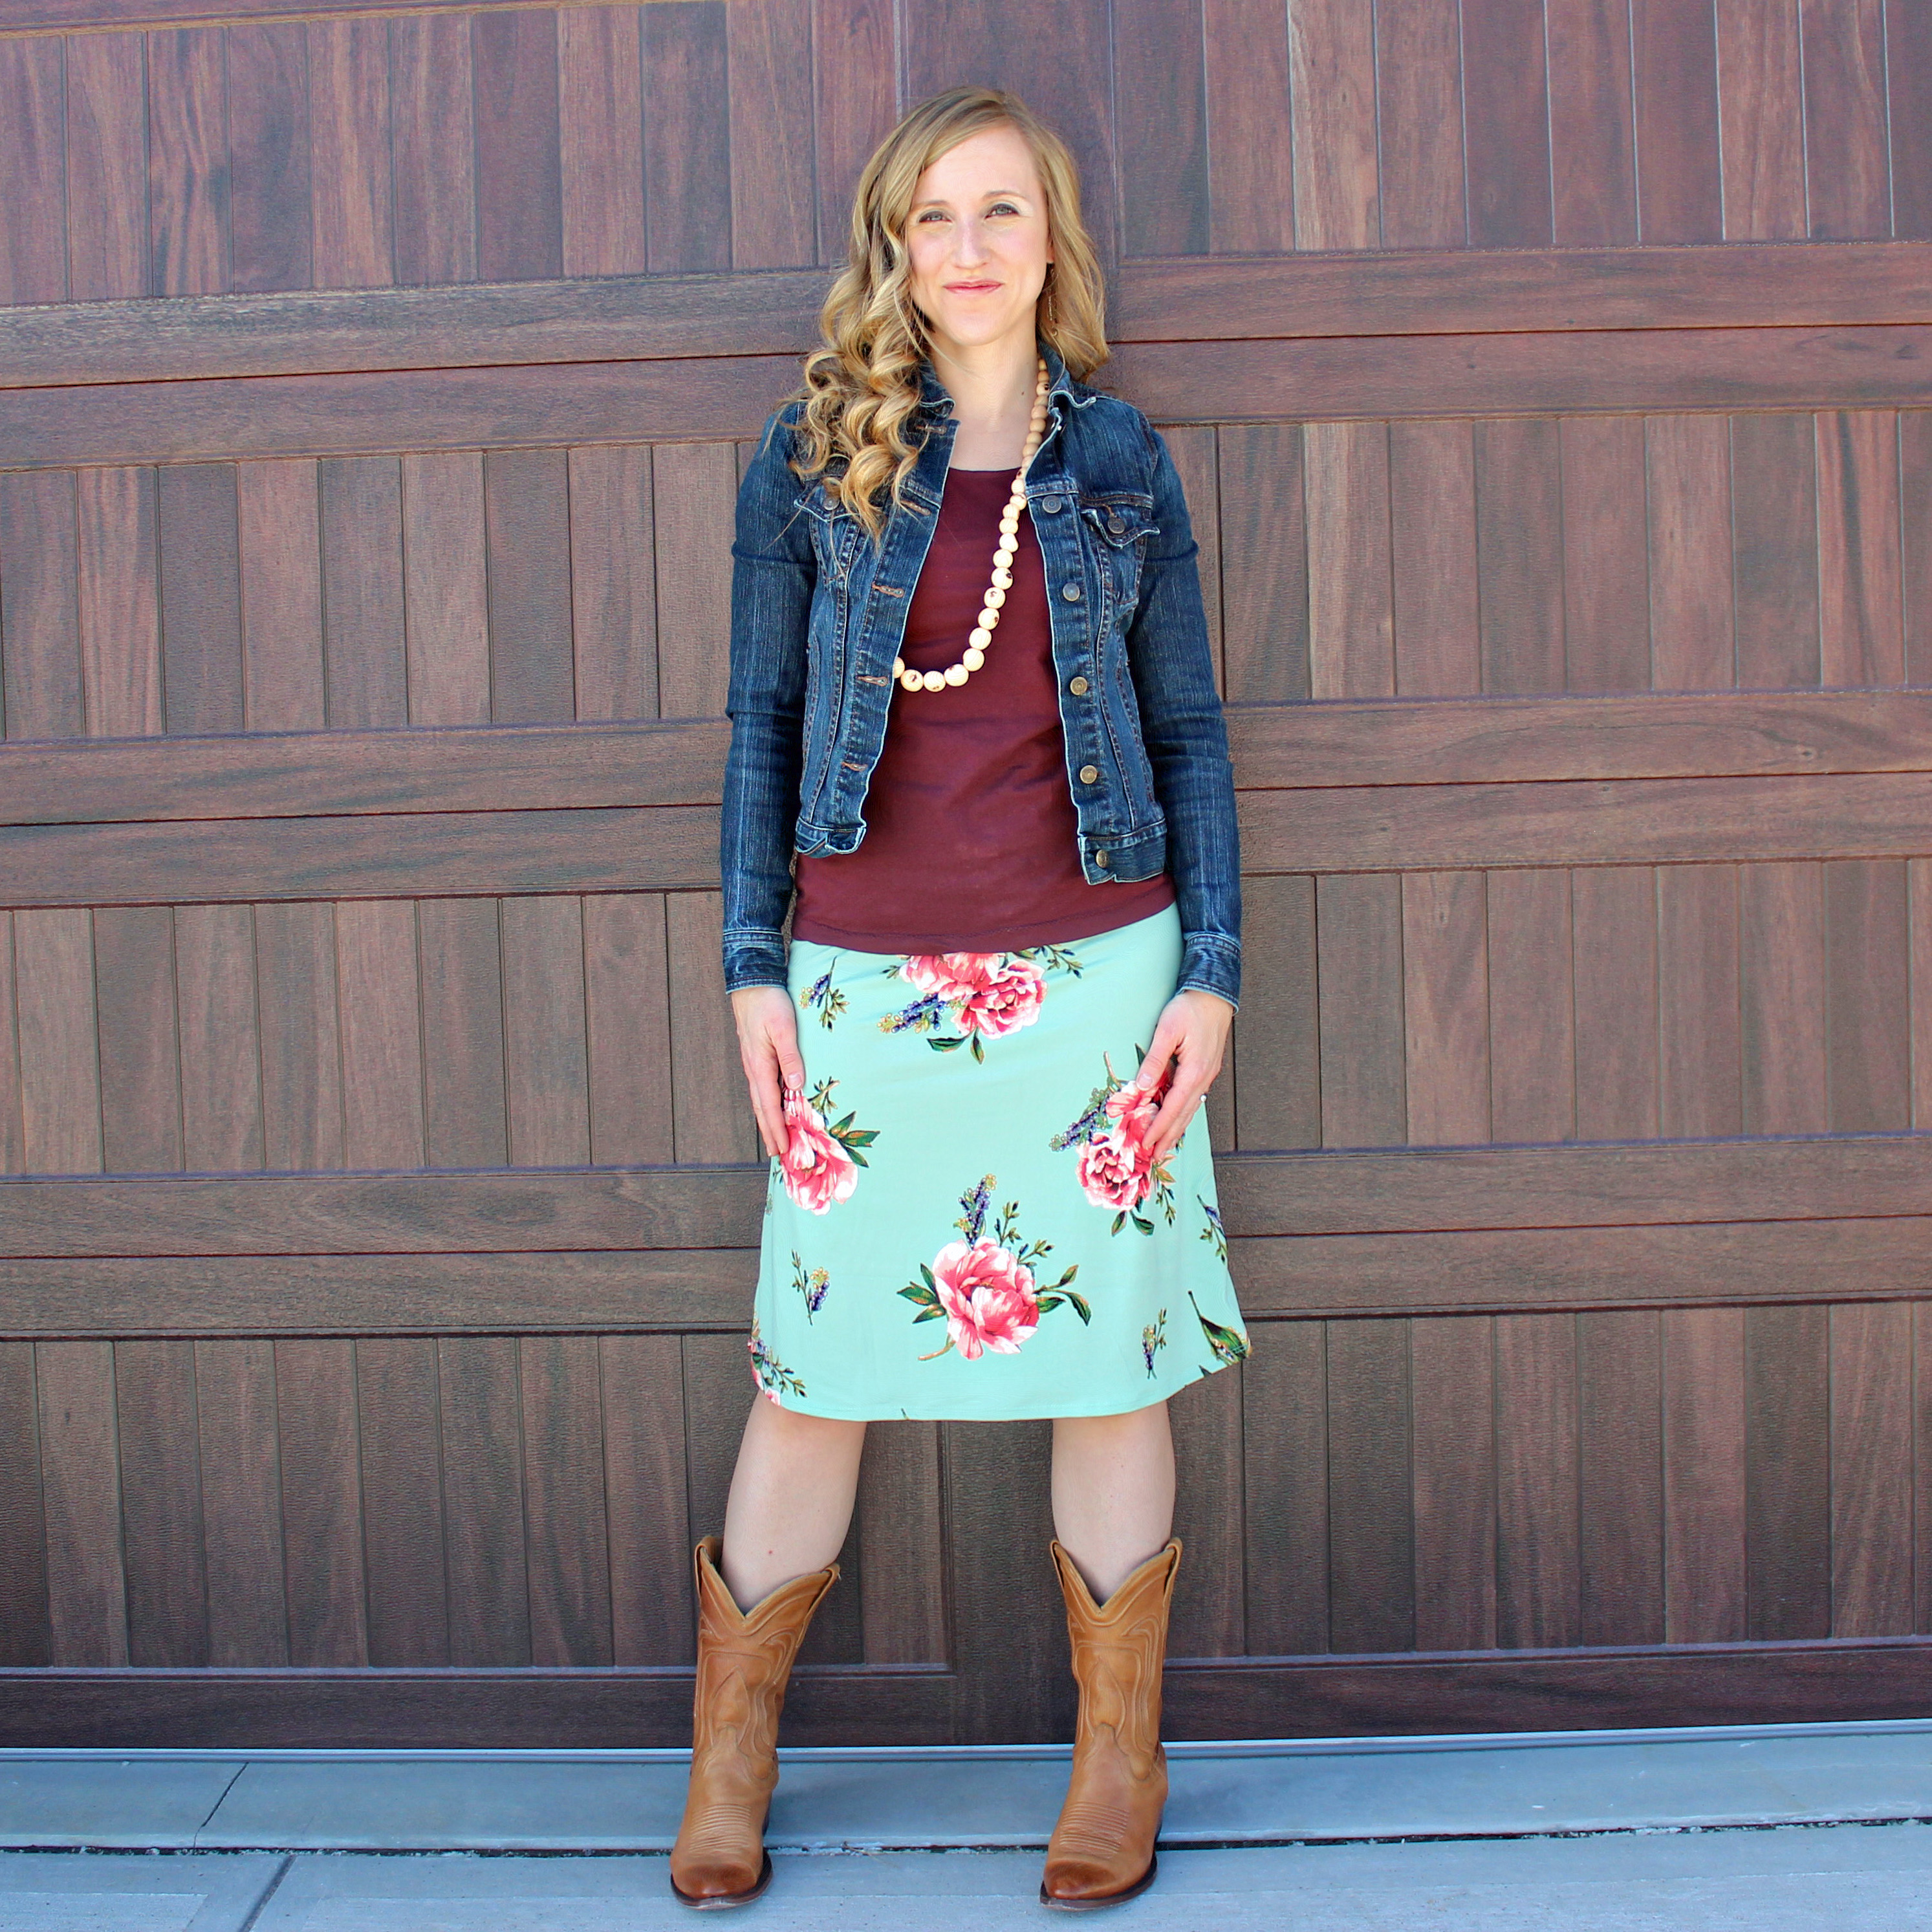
[1115,526]
[834,535]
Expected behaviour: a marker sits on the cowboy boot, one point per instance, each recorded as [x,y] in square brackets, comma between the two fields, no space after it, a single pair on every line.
[1101,1850]
[744,1659]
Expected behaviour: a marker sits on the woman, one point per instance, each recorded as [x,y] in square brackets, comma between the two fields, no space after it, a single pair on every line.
[975,733]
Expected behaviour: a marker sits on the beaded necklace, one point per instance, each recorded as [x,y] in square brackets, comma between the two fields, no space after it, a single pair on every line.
[974,655]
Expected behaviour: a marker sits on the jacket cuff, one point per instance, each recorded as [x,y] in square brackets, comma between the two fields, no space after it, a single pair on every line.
[754,959]
[1211,965]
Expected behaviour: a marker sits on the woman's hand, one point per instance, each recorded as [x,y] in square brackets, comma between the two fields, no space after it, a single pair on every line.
[1192,1035]
[768,1044]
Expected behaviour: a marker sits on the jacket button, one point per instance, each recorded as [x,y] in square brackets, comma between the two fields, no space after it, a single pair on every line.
[1050,504]
[1115,525]
[1071,592]
[1090,774]
[1078,685]
[1100,858]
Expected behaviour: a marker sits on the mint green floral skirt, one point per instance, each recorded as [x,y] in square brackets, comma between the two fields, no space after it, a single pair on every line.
[966,1224]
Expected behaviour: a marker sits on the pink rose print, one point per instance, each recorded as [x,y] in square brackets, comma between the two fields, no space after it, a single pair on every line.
[821,1161]
[980,996]
[1114,1167]
[1115,1170]
[984,1287]
[988,1298]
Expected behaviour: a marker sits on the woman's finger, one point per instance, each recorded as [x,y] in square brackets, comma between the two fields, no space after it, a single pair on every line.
[1176,1108]
[1168,1036]
[761,1075]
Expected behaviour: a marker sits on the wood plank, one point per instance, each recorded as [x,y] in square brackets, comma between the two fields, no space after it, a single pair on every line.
[242,1502]
[1919,914]
[1210,1605]
[57,1038]
[614,583]
[1531,1020]
[564,1500]
[377,982]
[545,1056]
[465,1107]
[628,1210]
[1538,1603]
[1277,1066]
[187,162]
[1858,565]
[1250,125]
[1613,979]
[1908,35]
[119,601]
[1350,624]
[1621,1477]
[710,1107]
[1914,486]
[1332,85]
[1700,1059]
[901,1513]
[399,1453]
[39,617]
[1781,992]
[1218,298]
[1519,556]
[445,588]
[1285,1425]
[301,1060]
[487,1550]
[269,151]
[1592,141]
[80,1490]
[1872,1427]
[687,150]
[107,168]
[1867,1007]
[278,523]
[519,183]
[1761,112]
[1505,107]
[651,1609]
[1687,463]
[135,1014]
[1680,184]
[1446,1007]
[1263,564]
[1849,185]
[1359,975]
[768,47]
[1775,550]
[1453,1418]
[433,148]
[200,546]
[220,1033]
[362,503]
[348,122]
[161,1534]
[627,1018]
[1704,1474]
[1787,1473]
[1606,589]
[25,1635]
[694,488]
[1433,529]
[526,496]
[1371,1531]
[600,146]
[1832,1681]
[322,1506]
[1419,124]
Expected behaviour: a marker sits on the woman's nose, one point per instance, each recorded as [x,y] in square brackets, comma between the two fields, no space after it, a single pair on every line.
[969,243]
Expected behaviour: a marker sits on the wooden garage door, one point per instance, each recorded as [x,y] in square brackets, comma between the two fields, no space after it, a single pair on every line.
[1550,380]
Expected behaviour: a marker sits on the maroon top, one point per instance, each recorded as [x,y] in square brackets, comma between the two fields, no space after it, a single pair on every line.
[970,842]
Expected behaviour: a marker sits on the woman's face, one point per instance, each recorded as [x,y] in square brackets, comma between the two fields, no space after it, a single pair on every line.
[977,242]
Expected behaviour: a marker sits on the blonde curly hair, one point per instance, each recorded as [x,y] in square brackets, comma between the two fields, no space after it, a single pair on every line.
[862,389]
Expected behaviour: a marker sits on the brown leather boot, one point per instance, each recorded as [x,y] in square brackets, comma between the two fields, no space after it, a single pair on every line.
[1101,1850]
[744,1659]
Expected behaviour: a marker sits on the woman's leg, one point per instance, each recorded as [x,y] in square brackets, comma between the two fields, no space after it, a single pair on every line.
[1113,1493]
[791,1499]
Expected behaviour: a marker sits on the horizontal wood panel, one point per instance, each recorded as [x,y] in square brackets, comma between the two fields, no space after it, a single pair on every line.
[1338,742]
[1516,1271]
[674,848]
[1586,373]
[775,312]
[1366,1191]
[1832,1680]
[1390,377]
[40,15]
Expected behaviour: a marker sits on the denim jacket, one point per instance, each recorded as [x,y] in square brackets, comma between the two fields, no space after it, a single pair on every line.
[818,612]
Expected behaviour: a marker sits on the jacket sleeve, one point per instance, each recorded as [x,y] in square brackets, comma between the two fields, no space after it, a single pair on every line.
[773,572]
[1173,666]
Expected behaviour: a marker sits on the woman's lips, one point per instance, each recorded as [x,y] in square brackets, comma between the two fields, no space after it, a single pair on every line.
[971,288]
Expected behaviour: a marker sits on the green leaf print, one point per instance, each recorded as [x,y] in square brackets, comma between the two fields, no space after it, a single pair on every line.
[1229,1345]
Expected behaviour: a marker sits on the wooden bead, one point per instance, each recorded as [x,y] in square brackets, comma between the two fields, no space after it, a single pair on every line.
[973,659]
[981,637]
[934,680]
[957,673]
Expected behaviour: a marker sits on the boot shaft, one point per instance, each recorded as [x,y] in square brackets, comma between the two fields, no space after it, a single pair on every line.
[1119,1648]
